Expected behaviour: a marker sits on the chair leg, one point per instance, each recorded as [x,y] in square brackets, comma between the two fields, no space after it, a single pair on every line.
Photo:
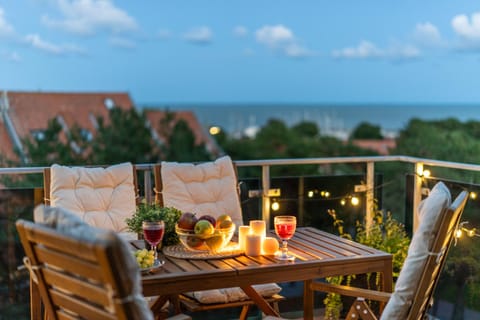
[360,310]
[244,313]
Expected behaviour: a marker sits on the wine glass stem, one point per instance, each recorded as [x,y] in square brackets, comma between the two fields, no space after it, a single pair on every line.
[284,248]
[154,248]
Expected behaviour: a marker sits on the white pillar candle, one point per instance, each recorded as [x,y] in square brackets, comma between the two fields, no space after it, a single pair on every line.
[253,245]
[242,236]
[270,246]
[258,227]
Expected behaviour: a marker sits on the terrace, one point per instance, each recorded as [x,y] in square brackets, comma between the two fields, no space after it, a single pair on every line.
[355,187]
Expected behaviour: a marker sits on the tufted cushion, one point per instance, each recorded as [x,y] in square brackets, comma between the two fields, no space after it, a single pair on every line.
[102,197]
[226,295]
[207,188]
[70,224]
[430,211]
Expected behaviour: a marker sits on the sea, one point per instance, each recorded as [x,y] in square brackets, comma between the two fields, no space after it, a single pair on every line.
[336,120]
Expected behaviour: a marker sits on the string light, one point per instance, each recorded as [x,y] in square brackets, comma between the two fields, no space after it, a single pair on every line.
[354,201]
[275,205]
[469,232]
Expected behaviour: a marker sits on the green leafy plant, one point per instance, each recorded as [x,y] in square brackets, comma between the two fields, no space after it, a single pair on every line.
[386,234]
[154,212]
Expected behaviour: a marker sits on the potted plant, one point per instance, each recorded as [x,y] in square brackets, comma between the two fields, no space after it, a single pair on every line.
[154,212]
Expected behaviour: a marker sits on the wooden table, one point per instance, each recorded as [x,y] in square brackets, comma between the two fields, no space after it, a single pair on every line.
[318,254]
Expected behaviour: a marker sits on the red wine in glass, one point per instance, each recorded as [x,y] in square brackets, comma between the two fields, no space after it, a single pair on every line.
[153,233]
[285,229]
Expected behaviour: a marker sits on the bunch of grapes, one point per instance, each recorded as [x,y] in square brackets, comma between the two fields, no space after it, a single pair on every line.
[145,258]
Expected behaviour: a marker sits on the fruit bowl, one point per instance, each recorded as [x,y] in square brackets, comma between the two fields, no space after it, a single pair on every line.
[199,242]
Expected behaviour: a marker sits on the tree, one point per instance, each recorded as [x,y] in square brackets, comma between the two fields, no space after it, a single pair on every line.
[366,130]
[124,138]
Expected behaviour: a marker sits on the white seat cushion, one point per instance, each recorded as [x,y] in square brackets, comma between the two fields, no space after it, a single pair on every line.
[102,197]
[207,188]
[70,224]
[235,294]
[429,210]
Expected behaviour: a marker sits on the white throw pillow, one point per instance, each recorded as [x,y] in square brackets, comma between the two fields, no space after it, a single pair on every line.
[429,210]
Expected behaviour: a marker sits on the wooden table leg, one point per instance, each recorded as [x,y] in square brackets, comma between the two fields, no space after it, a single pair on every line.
[259,301]
[387,280]
[307,300]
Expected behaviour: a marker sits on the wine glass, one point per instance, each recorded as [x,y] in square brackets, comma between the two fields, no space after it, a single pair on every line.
[153,233]
[285,228]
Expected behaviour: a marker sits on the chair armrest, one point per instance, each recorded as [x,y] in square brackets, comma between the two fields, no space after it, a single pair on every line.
[351,291]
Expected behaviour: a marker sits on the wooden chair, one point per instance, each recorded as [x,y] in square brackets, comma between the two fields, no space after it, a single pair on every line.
[103,196]
[82,272]
[218,193]
[420,273]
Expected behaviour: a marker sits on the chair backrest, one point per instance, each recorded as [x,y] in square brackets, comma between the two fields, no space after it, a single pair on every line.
[427,253]
[103,197]
[81,272]
[206,188]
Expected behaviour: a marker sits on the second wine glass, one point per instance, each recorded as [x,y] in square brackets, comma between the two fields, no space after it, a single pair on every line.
[153,233]
[285,229]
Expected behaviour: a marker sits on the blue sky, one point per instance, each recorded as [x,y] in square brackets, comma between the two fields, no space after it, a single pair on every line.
[262,51]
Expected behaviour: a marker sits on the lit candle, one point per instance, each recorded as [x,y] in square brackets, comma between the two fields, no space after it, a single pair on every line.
[253,245]
[270,246]
[258,227]
[242,235]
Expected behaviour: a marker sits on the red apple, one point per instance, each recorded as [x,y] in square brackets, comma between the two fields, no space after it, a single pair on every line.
[209,218]
[187,221]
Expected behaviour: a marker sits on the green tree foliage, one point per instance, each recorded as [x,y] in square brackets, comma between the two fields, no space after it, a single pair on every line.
[123,137]
[367,130]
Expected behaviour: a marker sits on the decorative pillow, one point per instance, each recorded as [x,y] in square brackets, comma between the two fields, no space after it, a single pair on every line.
[70,224]
[429,211]
[102,197]
[226,295]
[206,188]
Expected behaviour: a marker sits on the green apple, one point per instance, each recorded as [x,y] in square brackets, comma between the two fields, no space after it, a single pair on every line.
[204,228]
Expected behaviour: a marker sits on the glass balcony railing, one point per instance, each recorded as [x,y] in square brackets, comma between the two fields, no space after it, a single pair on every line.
[357,189]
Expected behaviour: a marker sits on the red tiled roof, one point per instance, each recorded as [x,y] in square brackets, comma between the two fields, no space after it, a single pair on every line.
[6,146]
[32,110]
[382,147]
[154,116]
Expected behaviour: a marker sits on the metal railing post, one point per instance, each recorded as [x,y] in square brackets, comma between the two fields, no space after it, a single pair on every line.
[265,197]
[417,193]
[369,196]
[147,183]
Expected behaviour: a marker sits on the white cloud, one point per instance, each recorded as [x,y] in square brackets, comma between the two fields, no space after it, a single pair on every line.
[364,50]
[122,43]
[5,28]
[281,39]
[368,50]
[467,29]
[199,35]
[36,42]
[240,31]
[164,34]
[274,36]
[86,17]
[427,34]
